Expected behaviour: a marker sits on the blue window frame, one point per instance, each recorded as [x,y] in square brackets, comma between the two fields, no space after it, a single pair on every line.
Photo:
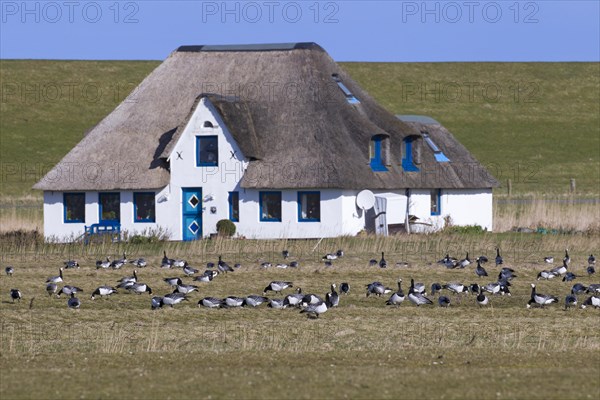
[234,206]
[270,206]
[74,208]
[309,206]
[207,151]
[376,161]
[110,207]
[144,207]
[408,164]
[436,202]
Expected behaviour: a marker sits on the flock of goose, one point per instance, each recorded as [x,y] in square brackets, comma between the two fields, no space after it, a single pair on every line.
[312,304]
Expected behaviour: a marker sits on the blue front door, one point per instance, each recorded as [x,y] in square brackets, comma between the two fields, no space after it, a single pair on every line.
[192,213]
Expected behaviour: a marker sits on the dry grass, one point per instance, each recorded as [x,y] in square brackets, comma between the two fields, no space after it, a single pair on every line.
[363,349]
[561,214]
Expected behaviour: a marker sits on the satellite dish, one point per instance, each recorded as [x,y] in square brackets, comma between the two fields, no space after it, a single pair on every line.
[365,200]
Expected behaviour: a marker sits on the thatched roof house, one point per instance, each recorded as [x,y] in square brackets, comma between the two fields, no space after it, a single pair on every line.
[287,107]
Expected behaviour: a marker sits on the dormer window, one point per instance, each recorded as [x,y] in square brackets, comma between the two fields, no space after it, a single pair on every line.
[349,96]
[207,151]
[378,153]
[437,153]
[408,161]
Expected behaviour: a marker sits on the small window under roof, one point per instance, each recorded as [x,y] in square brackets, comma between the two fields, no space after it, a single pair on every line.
[437,153]
[349,96]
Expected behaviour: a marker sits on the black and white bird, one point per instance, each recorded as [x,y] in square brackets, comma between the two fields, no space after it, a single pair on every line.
[156,302]
[496,288]
[266,264]
[189,271]
[9,270]
[372,262]
[345,287]
[456,288]
[277,304]
[69,290]
[397,297]
[465,262]
[281,265]
[254,300]
[103,264]
[506,274]
[51,288]
[591,260]
[330,256]
[549,260]
[295,299]
[116,264]
[285,254]
[448,262]
[294,264]
[382,262]
[210,302]
[444,301]
[56,279]
[103,291]
[332,298]
[569,276]
[593,288]
[173,298]
[570,301]
[567,259]
[15,294]
[277,287]
[480,271]
[223,267]
[233,301]
[499,260]
[590,270]
[415,297]
[540,299]
[139,288]
[435,288]
[133,278]
[560,270]
[139,262]
[482,299]
[73,302]
[474,288]
[185,289]
[377,289]
[545,274]
[204,277]
[173,281]
[593,301]
[71,264]
[482,259]
[314,310]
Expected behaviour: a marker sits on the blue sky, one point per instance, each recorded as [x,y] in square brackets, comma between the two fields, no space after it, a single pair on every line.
[348,30]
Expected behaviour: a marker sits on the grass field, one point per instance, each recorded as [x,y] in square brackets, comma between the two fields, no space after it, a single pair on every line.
[535,123]
[119,348]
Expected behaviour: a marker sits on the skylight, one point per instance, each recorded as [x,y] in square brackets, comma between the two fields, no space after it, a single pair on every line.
[349,96]
[437,153]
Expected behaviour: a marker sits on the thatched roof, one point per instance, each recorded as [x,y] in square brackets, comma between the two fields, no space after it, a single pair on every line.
[287,114]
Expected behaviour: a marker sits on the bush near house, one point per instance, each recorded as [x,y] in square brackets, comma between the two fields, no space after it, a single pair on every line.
[226,228]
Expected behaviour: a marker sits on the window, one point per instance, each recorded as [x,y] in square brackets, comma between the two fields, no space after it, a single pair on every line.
[143,205]
[408,164]
[309,206]
[376,153]
[439,156]
[74,207]
[349,96]
[110,207]
[270,206]
[207,124]
[234,206]
[436,202]
[207,151]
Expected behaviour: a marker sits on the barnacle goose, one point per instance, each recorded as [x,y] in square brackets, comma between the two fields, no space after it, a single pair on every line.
[382,262]
[277,304]
[332,298]
[15,294]
[499,260]
[56,279]
[345,287]
[71,264]
[545,274]
[541,299]
[593,301]
[189,270]
[456,288]
[435,288]
[294,299]
[173,298]
[156,302]
[480,271]
[139,262]
[185,289]
[139,288]
[416,297]
[103,264]
[569,276]
[9,270]
[254,300]
[482,299]
[570,301]
[233,301]
[377,289]
[314,310]
[69,290]
[223,267]
[277,286]
[210,302]
[444,301]
[465,261]
[73,301]
[51,288]
[103,291]
[174,281]
[397,297]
